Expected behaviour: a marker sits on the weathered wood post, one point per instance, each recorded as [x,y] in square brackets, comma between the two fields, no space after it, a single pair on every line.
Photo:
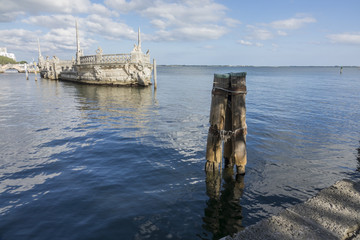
[155,74]
[26,72]
[228,148]
[217,122]
[35,71]
[228,123]
[239,127]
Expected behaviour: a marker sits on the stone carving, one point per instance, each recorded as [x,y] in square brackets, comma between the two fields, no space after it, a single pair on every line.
[99,51]
[98,73]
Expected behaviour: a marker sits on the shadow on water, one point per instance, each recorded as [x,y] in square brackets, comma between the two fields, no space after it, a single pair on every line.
[223,215]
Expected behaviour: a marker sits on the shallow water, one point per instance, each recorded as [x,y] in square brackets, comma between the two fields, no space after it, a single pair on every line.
[92,162]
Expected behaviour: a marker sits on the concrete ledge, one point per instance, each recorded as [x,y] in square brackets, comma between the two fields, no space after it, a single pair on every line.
[334,213]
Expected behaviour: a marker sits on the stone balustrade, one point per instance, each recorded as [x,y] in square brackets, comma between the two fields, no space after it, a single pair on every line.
[115,58]
[106,58]
[88,59]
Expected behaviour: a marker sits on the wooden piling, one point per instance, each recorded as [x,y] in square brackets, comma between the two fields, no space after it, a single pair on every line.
[217,122]
[155,74]
[35,72]
[239,127]
[26,72]
[228,149]
[227,122]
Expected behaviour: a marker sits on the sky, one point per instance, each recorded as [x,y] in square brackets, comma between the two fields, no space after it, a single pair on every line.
[189,32]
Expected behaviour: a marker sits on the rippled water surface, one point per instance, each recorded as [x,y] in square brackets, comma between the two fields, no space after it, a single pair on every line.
[93,162]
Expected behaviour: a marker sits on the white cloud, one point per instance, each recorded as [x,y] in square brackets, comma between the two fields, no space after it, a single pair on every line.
[60,40]
[53,21]
[292,23]
[231,22]
[11,9]
[10,16]
[37,6]
[18,39]
[208,46]
[173,19]
[108,28]
[248,43]
[345,38]
[180,20]
[126,6]
[259,34]
[281,33]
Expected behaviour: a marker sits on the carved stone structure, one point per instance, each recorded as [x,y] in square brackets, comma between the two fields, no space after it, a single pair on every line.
[132,69]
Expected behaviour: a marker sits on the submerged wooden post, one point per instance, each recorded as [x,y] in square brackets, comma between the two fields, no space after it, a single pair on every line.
[227,122]
[217,122]
[35,71]
[239,128]
[155,74]
[26,72]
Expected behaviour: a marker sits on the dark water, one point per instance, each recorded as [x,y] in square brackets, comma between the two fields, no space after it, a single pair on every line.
[90,162]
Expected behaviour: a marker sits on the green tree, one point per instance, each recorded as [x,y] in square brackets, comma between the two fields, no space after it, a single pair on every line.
[6,60]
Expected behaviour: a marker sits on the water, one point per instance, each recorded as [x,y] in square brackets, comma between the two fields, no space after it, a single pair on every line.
[91,162]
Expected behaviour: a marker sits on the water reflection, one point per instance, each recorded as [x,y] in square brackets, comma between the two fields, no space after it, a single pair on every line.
[116,107]
[223,212]
[358,158]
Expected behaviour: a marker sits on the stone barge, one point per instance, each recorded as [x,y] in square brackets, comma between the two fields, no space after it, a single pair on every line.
[133,69]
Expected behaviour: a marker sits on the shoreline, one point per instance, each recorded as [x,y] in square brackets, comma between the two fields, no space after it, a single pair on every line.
[332,214]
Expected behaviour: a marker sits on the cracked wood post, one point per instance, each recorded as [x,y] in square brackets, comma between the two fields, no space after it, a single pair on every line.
[228,149]
[217,123]
[239,128]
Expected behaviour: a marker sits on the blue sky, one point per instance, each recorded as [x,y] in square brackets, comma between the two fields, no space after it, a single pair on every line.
[224,32]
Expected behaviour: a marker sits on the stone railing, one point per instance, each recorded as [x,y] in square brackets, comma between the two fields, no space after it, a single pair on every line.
[88,59]
[107,58]
[115,58]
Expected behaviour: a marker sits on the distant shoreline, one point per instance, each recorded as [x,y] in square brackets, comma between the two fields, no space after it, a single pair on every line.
[200,65]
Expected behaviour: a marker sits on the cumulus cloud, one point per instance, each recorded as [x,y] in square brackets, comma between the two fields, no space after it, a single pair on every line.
[126,6]
[281,33]
[37,6]
[15,38]
[259,33]
[345,38]
[108,28]
[248,43]
[173,20]
[11,9]
[180,20]
[292,23]
[231,22]
[52,21]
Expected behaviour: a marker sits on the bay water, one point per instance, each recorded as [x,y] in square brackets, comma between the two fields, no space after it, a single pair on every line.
[96,162]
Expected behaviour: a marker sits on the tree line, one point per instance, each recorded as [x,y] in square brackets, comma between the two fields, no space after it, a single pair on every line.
[6,60]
